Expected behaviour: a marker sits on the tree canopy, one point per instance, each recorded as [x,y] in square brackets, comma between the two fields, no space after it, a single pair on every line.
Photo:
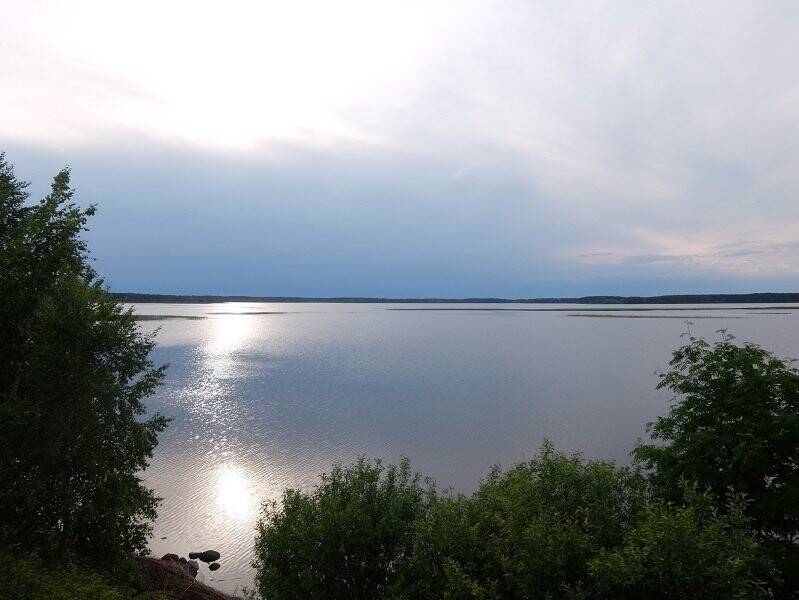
[734,429]
[348,539]
[555,527]
[74,370]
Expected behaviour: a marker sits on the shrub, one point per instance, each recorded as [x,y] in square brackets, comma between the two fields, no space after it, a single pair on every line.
[529,531]
[30,578]
[554,527]
[688,551]
[348,538]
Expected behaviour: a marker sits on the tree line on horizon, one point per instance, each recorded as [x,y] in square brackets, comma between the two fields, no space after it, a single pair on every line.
[764,297]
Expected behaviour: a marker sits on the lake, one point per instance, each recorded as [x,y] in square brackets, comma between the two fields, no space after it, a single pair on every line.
[268,396]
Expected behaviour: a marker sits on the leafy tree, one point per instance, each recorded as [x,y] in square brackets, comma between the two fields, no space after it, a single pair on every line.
[74,370]
[348,538]
[735,427]
[690,551]
[528,532]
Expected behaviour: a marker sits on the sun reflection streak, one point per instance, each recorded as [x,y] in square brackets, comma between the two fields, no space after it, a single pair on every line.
[234,492]
[230,331]
[219,355]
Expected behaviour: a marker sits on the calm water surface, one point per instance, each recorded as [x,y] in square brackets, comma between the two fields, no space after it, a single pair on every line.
[268,396]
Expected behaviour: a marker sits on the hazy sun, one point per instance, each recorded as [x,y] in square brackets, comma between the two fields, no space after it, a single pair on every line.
[238,74]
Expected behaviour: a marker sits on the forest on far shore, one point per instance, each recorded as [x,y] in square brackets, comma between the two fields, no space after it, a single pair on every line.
[764,297]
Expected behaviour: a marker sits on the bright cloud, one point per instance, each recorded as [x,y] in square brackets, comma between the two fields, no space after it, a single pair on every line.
[200,73]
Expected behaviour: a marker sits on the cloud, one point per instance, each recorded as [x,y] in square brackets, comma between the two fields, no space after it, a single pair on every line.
[471,148]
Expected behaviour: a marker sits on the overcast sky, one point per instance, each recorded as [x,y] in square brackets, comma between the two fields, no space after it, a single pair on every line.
[416,149]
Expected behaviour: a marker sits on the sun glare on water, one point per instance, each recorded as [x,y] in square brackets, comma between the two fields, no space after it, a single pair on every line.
[235,495]
[230,332]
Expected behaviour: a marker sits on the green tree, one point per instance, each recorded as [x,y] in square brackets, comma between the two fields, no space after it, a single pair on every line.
[349,538]
[734,428]
[74,370]
[690,551]
[527,532]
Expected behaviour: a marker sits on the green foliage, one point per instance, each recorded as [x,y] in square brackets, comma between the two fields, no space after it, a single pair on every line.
[530,531]
[30,578]
[683,552]
[346,539]
[735,427]
[73,372]
[554,527]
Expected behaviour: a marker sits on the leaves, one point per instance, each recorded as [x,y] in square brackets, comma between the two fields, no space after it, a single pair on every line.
[74,370]
[683,552]
[347,539]
[734,425]
[537,524]
[555,527]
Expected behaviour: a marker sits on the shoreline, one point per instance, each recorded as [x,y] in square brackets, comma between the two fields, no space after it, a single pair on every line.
[758,297]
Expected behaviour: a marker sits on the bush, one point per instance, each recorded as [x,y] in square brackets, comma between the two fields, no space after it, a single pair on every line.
[689,551]
[30,578]
[530,531]
[348,538]
[554,527]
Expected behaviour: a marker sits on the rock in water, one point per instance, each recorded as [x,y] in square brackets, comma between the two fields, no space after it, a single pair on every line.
[213,566]
[207,556]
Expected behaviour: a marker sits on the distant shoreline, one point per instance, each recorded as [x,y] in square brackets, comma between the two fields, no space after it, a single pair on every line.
[763,297]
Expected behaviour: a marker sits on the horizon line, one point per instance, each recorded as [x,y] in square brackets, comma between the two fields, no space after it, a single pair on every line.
[770,297]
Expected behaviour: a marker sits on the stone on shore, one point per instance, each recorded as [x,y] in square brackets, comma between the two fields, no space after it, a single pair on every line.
[171,579]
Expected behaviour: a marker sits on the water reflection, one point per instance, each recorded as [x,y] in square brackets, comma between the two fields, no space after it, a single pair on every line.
[235,495]
[230,332]
[219,368]
[203,469]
